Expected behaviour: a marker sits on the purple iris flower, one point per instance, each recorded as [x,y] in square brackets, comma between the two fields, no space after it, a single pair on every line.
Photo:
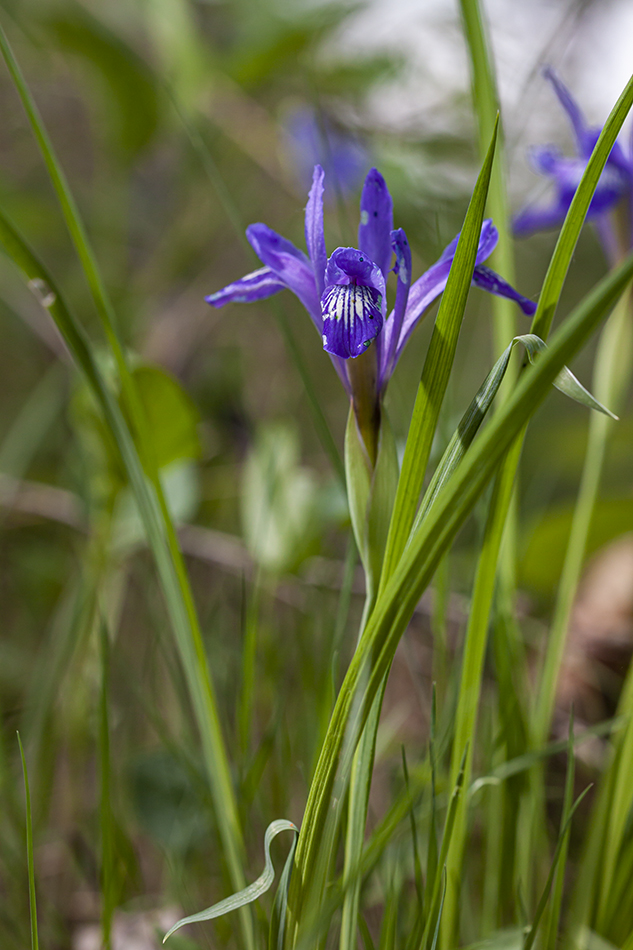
[345,295]
[615,182]
[312,139]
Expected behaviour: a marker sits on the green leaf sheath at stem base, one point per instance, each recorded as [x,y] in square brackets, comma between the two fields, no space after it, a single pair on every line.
[396,603]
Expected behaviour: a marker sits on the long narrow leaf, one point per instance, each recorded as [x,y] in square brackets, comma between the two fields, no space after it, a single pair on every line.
[436,372]
[29,851]
[248,894]
[395,607]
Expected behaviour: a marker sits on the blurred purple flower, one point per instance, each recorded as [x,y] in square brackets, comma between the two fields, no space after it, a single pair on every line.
[345,295]
[313,140]
[615,182]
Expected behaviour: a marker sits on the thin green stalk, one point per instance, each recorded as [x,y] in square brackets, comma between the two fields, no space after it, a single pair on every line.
[29,852]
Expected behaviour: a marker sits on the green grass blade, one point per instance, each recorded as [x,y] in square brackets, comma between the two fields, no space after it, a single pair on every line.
[472,670]
[436,372]
[575,218]
[153,508]
[161,540]
[249,894]
[432,898]
[395,606]
[486,106]
[530,936]
[29,851]
[610,383]
[360,783]
[105,803]
[417,864]
[557,895]
[440,911]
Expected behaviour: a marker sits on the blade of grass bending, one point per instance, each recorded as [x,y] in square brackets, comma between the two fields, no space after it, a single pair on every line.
[158,523]
[277,930]
[248,894]
[470,422]
[176,591]
[29,851]
[436,372]
[395,606]
[530,937]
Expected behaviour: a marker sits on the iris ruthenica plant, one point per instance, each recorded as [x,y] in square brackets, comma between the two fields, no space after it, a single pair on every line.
[345,294]
[613,192]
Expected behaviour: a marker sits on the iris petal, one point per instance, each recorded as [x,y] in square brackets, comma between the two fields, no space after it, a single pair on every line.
[490,281]
[260,284]
[289,264]
[315,240]
[376,221]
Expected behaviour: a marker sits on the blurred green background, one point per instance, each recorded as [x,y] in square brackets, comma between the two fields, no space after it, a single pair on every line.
[178,123]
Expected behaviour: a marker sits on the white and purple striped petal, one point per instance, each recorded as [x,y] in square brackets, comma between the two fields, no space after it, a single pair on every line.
[376,221]
[353,303]
[260,284]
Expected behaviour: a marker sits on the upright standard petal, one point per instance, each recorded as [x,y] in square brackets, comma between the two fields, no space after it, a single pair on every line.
[391,333]
[256,286]
[289,264]
[376,221]
[315,239]
[572,109]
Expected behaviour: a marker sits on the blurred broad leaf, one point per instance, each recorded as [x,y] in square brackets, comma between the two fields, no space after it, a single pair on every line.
[542,562]
[172,417]
[166,802]
[279,500]
[132,91]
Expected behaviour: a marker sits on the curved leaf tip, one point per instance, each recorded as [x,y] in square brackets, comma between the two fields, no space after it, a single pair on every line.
[250,893]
